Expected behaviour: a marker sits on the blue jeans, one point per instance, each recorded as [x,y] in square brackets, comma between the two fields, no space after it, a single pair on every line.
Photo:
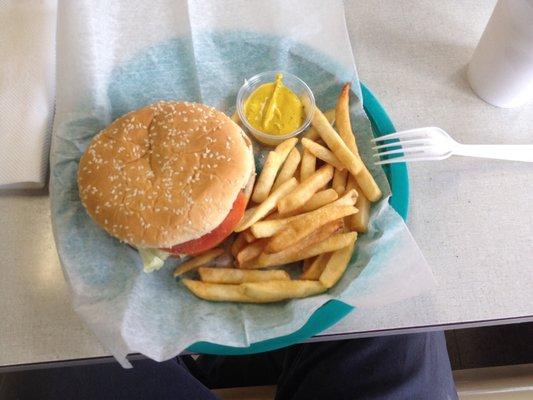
[414,366]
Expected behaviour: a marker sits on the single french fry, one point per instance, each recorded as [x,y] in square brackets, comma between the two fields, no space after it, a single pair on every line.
[287,256]
[359,221]
[218,292]
[311,133]
[252,215]
[305,190]
[251,251]
[271,167]
[364,178]
[368,185]
[267,228]
[336,265]
[316,268]
[282,290]
[322,153]
[303,226]
[320,199]
[238,244]
[352,162]
[236,276]
[342,118]
[248,236]
[308,165]
[288,169]
[339,180]
[198,261]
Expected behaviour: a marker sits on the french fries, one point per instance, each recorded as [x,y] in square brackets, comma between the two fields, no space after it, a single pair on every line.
[308,166]
[198,261]
[252,215]
[320,199]
[267,228]
[248,236]
[342,115]
[302,226]
[334,141]
[316,268]
[332,243]
[322,153]
[238,244]
[339,181]
[251,251]
[359,222]
[271,167]
[288,169]
[312,134]
[305,190]
[336,265]
[218,292]
[315,220]
[236,276]
[266,292]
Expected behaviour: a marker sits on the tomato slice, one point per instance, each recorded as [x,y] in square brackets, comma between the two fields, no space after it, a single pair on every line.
[217,235]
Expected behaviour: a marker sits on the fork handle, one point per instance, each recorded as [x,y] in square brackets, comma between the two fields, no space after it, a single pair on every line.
[518,152]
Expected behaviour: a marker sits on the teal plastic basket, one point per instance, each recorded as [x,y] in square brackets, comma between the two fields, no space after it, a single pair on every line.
[332,311]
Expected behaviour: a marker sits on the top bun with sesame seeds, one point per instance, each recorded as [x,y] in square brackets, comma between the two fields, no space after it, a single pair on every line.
[166,174]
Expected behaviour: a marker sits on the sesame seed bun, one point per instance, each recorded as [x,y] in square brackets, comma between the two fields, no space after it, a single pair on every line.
[165,174]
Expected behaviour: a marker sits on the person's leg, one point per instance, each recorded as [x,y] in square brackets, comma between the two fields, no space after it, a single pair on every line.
[147,380]
[218,372]
[410,367]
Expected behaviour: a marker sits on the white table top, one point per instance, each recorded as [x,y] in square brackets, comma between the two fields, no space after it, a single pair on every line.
[472,218]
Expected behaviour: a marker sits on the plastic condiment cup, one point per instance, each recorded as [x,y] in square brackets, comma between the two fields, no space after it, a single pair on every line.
[293,83]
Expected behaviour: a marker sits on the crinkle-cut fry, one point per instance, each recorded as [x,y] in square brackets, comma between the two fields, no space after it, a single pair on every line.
[316,268]
[336,265]
[339,181]
[282,290]
[236,276]
[198,261]
[273,163]
[305,190]
[288,169]
[254,214]
[322,153]
[334,242]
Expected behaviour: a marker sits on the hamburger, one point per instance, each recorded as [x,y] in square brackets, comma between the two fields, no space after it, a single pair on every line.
[171,178]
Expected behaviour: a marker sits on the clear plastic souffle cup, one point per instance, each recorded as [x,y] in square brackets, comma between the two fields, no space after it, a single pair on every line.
[293,83]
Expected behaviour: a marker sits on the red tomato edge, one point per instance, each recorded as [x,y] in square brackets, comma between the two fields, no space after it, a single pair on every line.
[217,235]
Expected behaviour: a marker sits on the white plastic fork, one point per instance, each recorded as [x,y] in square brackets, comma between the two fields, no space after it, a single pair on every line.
[428,144]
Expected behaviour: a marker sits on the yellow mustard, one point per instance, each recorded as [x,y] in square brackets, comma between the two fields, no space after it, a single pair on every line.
[274,109]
